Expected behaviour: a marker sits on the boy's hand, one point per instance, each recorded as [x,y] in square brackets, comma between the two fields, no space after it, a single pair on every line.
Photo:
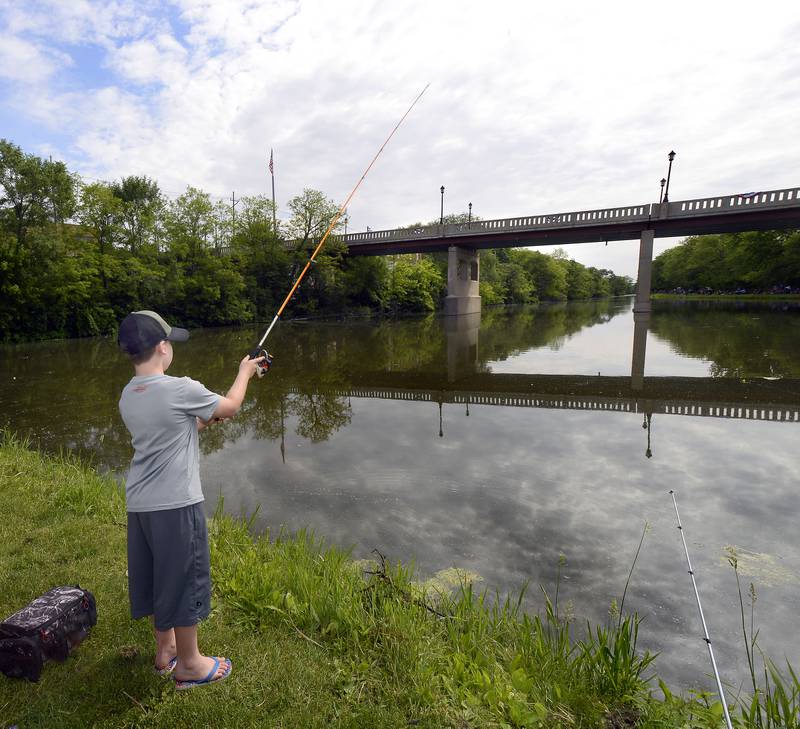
[250,366]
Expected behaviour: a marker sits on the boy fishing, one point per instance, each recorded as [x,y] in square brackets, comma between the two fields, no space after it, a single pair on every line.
[168,557]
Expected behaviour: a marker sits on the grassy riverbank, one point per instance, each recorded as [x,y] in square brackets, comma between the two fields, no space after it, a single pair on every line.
[316,640]
[725,297]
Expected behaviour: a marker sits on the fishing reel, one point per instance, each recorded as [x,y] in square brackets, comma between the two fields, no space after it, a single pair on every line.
[263,367]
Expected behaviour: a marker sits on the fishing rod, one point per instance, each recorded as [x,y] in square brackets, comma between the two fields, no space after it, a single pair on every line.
[259,351]
[702,617]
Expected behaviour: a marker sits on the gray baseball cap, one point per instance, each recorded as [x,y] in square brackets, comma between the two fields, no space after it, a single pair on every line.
[144,329]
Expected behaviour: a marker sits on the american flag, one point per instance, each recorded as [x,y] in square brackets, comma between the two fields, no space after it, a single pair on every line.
[271,170]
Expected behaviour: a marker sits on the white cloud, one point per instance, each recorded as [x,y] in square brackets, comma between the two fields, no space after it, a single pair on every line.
[79,21]
[25,62]
[160,60]
[531,109]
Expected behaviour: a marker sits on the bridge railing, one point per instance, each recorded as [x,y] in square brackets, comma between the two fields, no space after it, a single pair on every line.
[628,213]
[730,203]
[786,197]
[709,409]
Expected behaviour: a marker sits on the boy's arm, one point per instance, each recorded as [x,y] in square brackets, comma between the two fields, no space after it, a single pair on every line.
[229,404]
[203,424]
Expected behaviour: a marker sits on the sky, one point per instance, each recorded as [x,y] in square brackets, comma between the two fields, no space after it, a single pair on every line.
[533,108]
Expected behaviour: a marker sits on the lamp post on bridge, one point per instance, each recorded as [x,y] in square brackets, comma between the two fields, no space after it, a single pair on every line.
[469,221]
[671,157]
[441,212]
[661,196]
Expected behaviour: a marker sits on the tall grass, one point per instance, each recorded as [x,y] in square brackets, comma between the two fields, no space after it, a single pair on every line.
[775,702]
[474,652]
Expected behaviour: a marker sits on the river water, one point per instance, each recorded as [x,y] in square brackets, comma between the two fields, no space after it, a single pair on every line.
[497,443]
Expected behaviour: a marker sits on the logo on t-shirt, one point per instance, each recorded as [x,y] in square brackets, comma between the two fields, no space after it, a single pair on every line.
[140,388]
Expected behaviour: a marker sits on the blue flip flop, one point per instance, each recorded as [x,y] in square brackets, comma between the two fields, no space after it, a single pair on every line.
[169,668]
[211,678]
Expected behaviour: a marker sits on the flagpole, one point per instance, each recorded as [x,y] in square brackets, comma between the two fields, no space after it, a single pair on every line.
[272,174]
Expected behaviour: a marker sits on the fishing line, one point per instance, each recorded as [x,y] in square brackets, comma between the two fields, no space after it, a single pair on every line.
[702,617]
[258,350]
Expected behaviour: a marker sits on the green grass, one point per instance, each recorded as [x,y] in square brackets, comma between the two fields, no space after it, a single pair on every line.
[317,640]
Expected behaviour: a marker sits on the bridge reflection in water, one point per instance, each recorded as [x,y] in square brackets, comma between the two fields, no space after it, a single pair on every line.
[775,400]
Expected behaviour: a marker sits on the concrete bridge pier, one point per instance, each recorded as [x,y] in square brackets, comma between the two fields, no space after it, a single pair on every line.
[463,281]
[641,323]
[462,345]
[641,304]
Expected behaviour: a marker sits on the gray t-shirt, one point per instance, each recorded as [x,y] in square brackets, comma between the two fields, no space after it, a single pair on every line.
[160,413]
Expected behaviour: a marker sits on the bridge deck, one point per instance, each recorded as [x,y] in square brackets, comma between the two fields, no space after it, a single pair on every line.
[718,214]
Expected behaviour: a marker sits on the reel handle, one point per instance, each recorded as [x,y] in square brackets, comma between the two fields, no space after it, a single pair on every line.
[263,368]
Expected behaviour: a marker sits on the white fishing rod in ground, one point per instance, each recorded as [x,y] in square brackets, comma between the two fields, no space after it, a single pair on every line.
[706,637]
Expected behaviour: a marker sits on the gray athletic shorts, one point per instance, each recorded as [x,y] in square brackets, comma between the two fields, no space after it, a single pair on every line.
[169,572]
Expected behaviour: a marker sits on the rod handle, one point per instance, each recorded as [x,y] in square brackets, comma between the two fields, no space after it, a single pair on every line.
[264,366]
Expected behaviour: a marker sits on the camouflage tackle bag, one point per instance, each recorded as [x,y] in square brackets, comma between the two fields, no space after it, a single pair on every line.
[47,629]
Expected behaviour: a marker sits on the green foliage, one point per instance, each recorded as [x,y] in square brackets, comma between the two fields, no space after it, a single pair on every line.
[34,191]
[141,205]
[126,248]
[414,285]
[312,213]
[754,261]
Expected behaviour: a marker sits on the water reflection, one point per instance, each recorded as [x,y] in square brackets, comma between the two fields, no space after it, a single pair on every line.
[496,443]
[739,339]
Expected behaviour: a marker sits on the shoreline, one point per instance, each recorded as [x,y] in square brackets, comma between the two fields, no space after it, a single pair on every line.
[354,315]
[316,639]
[716,297]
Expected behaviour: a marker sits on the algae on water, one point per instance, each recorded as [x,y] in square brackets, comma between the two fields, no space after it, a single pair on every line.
[761,567]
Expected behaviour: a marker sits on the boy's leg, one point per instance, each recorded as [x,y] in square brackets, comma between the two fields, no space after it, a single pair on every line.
[193,665]
[182,591]
[166,648]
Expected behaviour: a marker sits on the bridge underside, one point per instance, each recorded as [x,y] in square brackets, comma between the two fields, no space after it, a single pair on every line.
[665,228]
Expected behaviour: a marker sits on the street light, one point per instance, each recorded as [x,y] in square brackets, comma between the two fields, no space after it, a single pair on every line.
[671,156]
[441,214]
[469,222]
[661,196]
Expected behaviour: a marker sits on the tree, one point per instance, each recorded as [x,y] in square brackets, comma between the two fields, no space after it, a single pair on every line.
[365,281]
[34,191]
[414,285]
[312,213]
[99,213]
[141,207]
[547,274]
[519,287]
[492,285]
[580,282]
[265,262]
[189,224]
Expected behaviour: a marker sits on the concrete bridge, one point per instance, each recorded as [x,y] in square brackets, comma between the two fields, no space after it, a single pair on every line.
[773,209]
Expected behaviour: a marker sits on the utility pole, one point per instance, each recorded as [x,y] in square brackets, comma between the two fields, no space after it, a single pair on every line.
[272,175]
[233,213]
